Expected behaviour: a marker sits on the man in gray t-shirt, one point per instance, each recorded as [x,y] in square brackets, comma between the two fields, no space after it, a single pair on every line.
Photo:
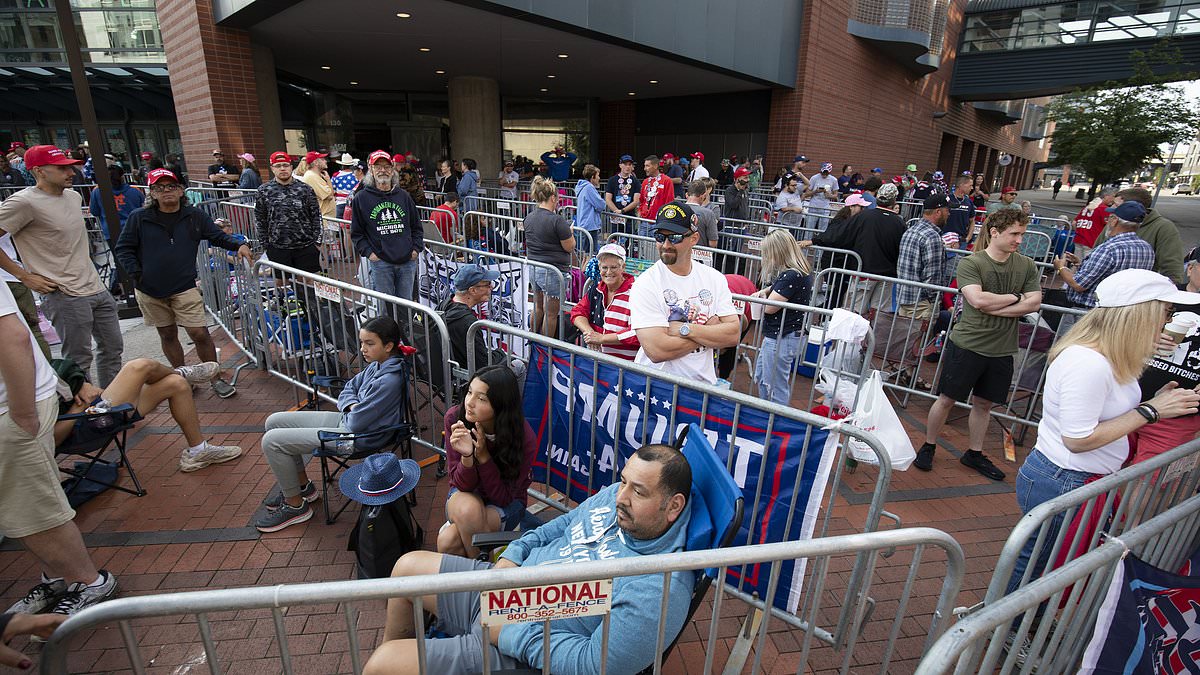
[706,219]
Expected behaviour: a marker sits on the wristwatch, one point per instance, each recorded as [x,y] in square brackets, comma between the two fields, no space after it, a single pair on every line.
[685,330]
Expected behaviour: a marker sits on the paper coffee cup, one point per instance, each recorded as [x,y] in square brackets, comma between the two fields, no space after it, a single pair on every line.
[756,310]
[1179,328]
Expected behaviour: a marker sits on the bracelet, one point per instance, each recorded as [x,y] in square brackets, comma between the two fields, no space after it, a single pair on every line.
[1148,412]
[467,456]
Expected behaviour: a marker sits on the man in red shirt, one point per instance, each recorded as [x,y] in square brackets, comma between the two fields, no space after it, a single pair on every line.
[1090,221]
[445,218]
[657,192]
[738,285]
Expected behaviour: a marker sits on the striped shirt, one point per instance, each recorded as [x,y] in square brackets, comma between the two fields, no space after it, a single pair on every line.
[609,319]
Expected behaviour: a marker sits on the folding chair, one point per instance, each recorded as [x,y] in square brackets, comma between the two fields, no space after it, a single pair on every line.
[716,504]
[396,437]
[93,435]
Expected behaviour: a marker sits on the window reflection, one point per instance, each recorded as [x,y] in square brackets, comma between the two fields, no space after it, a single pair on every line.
[1079,23]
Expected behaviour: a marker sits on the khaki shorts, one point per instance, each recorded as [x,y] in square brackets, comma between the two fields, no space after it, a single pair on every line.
[31,498]
[921,310]
[182,309]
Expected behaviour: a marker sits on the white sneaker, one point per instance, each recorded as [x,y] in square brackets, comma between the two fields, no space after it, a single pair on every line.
[201,373]
[211,454]
[79,596]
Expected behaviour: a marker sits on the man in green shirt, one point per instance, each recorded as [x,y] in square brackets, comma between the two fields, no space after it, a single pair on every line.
[998,287]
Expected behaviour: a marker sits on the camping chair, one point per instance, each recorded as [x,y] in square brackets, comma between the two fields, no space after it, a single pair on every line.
[716,502]
[92,437]
[334,458]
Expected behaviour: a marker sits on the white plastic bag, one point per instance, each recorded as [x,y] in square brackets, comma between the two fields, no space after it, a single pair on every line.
[839,392]
[874,413]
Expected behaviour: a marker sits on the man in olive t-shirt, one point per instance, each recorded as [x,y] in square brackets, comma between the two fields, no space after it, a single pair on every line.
[998,287]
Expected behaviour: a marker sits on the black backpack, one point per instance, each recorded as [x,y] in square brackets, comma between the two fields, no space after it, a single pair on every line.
[383,534]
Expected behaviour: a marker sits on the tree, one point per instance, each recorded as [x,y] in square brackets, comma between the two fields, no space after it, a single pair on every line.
[1111,131]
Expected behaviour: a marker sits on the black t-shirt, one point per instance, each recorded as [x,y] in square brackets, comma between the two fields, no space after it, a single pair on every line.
[623,189]
[1183,366]
[797,288]
[222,168]
[961,214]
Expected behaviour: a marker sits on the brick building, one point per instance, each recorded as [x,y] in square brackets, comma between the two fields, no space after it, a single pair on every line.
[865,82]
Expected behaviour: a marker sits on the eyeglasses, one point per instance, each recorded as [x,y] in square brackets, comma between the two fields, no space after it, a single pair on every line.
[673,238]
[169,187]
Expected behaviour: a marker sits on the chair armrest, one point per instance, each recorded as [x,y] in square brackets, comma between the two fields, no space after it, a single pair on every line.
[329,381]
[124,408]
[490,540]
[326,436]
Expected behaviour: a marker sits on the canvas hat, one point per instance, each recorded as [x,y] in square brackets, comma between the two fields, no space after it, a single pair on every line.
[469,275]
[378,155]
[246,156]
[857,200]
[160,175]
[612,249]
[380,479]
[1133,286]
[42,155]
[1132,212]
[280,156]
[347,160]
[675,218]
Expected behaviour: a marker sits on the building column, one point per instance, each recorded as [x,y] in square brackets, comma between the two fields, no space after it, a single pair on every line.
[475,122]
[216,96]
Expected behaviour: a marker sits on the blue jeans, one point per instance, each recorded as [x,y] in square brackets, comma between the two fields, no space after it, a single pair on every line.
[647,249]
[585,245]
[774,367]
[1039,481]
[394,280]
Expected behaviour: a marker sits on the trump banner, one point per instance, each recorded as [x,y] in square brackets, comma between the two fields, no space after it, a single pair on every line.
[589,417]
[507,304]
[1149,623]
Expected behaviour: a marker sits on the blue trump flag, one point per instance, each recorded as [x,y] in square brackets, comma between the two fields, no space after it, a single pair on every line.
[589,417]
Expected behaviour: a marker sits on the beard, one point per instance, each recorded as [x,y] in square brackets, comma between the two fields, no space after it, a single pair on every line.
[669,257]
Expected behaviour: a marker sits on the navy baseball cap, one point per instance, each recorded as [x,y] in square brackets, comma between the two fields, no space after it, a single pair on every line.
[675,218]
[800,158]
[626,158]
[469,275]
[1132,212]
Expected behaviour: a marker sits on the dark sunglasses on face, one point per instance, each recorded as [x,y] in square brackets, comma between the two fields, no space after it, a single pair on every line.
[673,238]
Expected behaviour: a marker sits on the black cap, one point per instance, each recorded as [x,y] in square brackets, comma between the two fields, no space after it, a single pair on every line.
[675,218]
[937,200]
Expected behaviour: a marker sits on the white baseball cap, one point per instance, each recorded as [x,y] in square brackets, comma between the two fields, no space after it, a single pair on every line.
[1132,287]
[612,249]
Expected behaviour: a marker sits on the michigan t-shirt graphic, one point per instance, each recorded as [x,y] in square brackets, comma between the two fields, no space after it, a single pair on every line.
[389,218]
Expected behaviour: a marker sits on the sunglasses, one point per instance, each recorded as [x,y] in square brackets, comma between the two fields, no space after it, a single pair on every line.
[673,238]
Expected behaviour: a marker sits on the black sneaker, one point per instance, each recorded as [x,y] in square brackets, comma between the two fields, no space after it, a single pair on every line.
[308,493]
[977,460]
[924,460]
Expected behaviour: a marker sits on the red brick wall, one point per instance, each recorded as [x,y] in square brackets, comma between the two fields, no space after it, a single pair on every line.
[617,120]
[854,104]
[212,80]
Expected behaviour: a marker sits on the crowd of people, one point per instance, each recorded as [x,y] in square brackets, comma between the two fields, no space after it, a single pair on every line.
[1126,268]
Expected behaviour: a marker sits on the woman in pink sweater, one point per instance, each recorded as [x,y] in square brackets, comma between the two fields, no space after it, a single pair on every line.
[489,451]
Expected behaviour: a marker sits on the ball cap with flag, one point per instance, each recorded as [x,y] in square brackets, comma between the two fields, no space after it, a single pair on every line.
[377,156]
[158,175]
[827,166]
[675,218]
[42,155]
[380,479]
[1133,286]
[313,155]
[279,157]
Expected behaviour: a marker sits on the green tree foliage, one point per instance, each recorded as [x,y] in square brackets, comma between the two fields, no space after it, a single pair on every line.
[1109,132]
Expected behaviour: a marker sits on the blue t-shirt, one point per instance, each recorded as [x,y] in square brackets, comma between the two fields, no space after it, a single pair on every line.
[797,288]
[674,172]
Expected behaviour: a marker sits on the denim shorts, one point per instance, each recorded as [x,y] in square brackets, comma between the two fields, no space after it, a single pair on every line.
[510,516]
[547,282]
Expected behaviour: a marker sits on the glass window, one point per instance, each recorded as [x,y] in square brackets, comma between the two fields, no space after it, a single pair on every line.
[146,140]
[114,138]
[28,30]
[174,145]
[60,137]
[33,137]
[295,141]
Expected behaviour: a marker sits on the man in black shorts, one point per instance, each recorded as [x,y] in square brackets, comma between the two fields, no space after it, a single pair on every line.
[998,287]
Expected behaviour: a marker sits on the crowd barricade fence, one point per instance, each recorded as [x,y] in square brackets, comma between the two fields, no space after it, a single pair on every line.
[207,609]
[222,285]
[305,324]
[906,341]
[339,259]
[1068,597]
[800,514]
[433,198]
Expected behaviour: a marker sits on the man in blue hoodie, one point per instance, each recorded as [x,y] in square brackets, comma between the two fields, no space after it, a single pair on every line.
[559,163]
[386,229]
[647,513]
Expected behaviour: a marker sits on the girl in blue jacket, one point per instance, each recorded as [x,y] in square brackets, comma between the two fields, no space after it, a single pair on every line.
[370,400]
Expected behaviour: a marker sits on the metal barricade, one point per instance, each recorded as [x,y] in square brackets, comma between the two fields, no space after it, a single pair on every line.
[224,289]
[1070,596]
[133,616]
[903,342]
[305,324]
[801,512]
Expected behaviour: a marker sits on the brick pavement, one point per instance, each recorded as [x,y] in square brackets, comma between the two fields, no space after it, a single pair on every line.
[191,532]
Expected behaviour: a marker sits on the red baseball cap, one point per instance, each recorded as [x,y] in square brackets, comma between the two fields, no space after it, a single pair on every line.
[159,175]
[280,156]
[1007,189]
[698,155]
[399,159]
[667,155]
[147,155]
[15,144]
[41,155]
[741,171]
[378,155]
[313,155]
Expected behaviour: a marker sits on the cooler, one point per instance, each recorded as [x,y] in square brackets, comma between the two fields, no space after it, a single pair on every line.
[812,351]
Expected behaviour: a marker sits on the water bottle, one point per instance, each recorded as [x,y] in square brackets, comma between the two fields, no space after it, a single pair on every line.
[99,408]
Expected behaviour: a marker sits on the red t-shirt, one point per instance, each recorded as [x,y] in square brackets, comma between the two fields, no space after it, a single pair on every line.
[656,193]
[446,221]
[740,285]
[1089,225]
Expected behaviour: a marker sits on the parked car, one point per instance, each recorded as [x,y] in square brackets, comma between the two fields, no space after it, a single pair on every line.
[1182,189]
